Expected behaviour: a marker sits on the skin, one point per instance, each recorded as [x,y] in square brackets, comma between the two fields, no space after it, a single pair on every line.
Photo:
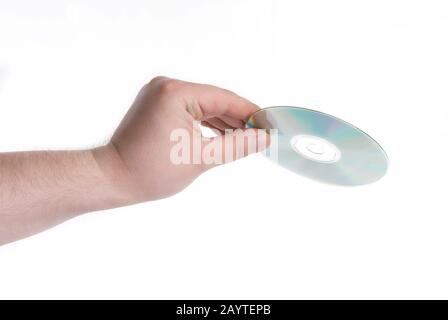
[39,190]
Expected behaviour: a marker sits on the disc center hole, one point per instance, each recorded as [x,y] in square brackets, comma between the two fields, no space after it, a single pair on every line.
[315,148]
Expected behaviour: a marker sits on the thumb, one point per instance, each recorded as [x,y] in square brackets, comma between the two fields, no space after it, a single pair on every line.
[233,145]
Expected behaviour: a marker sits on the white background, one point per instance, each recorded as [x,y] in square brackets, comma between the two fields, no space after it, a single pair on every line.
[70,69]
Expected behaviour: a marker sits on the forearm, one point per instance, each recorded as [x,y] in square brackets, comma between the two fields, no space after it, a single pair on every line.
[41,189]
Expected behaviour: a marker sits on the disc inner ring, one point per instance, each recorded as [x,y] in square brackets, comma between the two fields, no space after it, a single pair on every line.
[315,148]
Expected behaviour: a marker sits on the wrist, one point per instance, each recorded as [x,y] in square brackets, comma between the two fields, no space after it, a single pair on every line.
[119,186]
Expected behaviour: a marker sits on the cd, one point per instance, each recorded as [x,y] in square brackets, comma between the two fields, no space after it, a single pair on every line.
[320,146]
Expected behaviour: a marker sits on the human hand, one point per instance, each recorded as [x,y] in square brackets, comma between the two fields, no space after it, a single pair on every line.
[139,155]
[140,163]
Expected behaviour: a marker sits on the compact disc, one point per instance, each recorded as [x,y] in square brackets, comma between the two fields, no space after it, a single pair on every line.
[320,146]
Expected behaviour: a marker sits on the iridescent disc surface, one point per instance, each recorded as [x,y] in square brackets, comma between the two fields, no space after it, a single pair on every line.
[320,146]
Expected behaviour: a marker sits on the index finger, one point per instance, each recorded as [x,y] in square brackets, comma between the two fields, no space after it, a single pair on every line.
[207,101]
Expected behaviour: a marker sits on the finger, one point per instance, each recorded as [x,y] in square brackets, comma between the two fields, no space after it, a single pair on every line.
[234,123]
[206,101]
[230,147]
[212,127]
[219,124]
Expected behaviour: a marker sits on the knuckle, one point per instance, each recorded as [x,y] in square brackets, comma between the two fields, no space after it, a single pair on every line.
[157,80]
[165,85]
[169,86]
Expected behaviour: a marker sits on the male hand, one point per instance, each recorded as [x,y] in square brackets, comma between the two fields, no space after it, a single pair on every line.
[143,148]
[39,189]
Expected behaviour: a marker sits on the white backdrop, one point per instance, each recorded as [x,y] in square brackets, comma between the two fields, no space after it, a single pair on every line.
[70,69]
